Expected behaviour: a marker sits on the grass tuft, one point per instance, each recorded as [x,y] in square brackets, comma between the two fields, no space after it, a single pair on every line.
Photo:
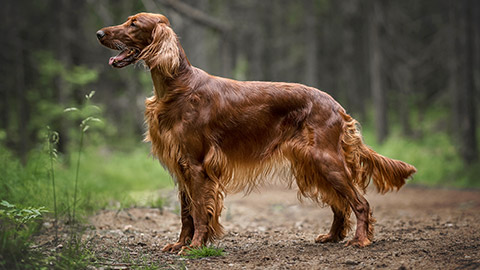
[204,252]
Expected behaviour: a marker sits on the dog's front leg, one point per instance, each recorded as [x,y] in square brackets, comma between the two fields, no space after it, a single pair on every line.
[200,221]
[201,211]
[205,207]
[186,233]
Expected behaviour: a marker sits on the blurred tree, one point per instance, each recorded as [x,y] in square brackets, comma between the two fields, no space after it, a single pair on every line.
[376,70]
[399,60]
[465,97]
[311,43]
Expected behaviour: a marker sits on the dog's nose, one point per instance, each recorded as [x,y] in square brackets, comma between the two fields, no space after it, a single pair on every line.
[100,34]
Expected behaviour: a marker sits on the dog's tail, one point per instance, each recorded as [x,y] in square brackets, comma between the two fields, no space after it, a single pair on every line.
[365,164]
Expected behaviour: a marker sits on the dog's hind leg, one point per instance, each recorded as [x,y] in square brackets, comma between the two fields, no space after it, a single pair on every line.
[365,221]
[322,173]
[333,169]
[340,225]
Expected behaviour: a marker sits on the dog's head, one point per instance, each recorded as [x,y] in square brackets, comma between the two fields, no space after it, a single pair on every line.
[144,36]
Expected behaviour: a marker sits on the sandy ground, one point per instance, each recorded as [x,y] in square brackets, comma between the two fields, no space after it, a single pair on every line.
[417,228]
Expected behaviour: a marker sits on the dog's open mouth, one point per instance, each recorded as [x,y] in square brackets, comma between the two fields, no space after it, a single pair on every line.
[126,57]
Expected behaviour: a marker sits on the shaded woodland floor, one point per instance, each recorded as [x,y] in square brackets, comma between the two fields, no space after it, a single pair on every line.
[417,228]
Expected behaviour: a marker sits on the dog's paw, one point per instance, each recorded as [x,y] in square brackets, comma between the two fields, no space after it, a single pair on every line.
[356,242]
[326,238]
[173,247]
[184,251]
[193,245]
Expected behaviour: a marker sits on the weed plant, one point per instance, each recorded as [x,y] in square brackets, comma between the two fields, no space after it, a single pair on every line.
[203,252]
[17,226]
[84,126]
[52,141]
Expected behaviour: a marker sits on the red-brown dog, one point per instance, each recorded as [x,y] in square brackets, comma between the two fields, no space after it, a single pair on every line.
[217,136]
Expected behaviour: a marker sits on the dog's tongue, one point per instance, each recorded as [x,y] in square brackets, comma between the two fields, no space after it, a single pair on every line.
[122,55]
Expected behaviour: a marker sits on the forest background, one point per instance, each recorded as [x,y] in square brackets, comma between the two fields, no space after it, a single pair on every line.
[408,70]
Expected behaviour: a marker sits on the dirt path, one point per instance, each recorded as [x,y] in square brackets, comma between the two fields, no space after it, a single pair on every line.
[416,228]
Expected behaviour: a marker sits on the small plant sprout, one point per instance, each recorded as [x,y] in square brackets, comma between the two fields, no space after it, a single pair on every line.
[84,126]
[52,141]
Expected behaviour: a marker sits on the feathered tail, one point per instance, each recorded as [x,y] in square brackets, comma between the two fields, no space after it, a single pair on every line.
[365,164]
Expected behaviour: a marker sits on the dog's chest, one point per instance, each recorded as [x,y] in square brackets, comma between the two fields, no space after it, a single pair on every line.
[165,144]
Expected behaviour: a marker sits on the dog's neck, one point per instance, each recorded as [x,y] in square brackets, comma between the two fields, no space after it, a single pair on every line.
[159,84]
[162,84]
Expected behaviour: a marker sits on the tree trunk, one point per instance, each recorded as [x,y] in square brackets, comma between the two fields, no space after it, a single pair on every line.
[226,43]
[466,94]
[311,44]
[349,84]
[269,49]
[403,78]
[378,93]
[62,88]
[20,87]
[452,65]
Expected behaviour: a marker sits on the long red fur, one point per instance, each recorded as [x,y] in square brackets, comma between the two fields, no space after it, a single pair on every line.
[217,136]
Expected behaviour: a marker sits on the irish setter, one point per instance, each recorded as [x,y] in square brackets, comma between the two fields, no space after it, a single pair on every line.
[216,136]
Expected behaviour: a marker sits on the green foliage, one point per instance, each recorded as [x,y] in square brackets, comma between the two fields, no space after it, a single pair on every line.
[158,202]
[80,75]
[106,179]
[45,98]
[111,179]
[29,184]
[50,68]
[203,252]
[20,217]
[87,115]
[101,183]
[17,225]
[435,157]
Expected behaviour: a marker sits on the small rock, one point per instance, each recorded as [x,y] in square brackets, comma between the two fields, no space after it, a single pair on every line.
[127,228]
[349,262]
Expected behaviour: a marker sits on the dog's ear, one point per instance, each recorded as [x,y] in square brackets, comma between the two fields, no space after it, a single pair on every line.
[163,51]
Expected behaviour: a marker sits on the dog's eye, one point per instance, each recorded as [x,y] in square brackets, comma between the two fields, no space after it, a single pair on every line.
[133,24]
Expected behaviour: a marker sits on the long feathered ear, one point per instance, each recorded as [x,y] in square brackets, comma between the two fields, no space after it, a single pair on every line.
[163,52]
